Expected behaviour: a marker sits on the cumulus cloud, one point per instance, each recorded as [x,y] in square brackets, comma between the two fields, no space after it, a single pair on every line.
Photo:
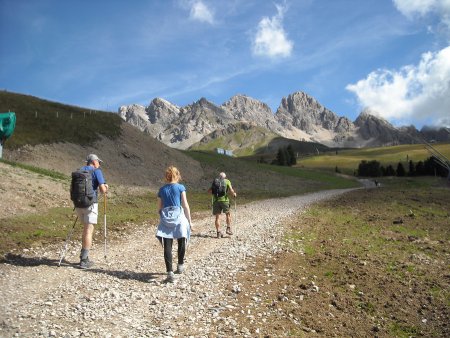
[420,92]
[412,8]
[271,39]
[199,11]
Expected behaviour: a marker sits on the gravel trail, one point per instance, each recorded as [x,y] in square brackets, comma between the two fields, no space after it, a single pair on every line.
[125,295]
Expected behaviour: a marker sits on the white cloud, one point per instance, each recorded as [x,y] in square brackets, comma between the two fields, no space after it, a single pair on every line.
[411,8]
[420,92]
[201,12]
[271,39]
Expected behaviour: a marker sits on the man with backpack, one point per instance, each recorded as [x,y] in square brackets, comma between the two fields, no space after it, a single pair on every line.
[221,202]
[85,183]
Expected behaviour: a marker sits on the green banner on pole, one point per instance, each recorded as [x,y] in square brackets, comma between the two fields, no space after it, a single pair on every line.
[7,125]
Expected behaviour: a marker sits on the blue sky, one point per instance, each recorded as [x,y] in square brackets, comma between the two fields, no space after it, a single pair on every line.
[390,55]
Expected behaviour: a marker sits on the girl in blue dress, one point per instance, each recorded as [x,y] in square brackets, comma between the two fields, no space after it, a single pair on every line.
[175,220]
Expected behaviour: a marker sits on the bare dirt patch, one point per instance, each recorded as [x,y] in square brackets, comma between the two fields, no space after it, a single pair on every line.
[22,191]
[371,263]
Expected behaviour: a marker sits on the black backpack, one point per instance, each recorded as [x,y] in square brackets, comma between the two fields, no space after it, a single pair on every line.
[81,190]
[219,187]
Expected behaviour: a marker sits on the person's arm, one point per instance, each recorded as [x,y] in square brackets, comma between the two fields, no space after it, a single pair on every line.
[103,188]
[187,210]
[231,190]
[160,204]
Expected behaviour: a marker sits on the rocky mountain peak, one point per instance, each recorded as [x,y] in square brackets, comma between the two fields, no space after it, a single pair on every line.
[302,111]
[247,109]
[372,127]
[160,102]
[161,110]
[368,116]
[203,102]
[134,114]
[300,101]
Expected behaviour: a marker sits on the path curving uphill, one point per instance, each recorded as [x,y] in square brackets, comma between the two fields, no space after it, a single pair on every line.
[125,295]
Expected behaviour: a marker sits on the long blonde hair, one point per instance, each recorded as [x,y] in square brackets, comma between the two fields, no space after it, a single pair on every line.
[172,174]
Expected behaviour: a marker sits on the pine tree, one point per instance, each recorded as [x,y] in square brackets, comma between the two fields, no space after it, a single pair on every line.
[400,170]
[390,171]
[291,156]
[281,157]
[411,171]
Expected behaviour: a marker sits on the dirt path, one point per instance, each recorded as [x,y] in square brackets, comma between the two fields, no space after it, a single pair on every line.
[125,295]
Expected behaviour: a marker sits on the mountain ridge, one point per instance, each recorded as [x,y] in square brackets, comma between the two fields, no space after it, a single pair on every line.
[298,117]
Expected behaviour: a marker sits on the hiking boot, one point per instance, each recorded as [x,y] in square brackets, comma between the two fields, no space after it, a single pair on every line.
[228,231]
[170,277]
[180,269]
[86,263]
[219,234]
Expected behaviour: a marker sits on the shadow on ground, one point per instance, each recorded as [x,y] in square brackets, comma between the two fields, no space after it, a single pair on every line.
[19,260]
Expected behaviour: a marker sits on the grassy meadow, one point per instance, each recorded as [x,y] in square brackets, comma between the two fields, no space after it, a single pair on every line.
[347,161]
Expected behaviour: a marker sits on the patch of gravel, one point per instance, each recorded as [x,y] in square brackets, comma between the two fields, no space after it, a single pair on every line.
[125,295]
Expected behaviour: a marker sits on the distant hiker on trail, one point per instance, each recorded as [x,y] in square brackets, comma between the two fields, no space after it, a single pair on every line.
[175,220]
[88,211]
[221,203]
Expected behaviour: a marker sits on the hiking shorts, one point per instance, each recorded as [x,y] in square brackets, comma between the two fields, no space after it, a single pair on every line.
[88,215]
[219,207]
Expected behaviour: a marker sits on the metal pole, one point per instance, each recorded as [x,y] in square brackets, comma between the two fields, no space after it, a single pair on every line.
[235,216]
[104,220]
[64,250]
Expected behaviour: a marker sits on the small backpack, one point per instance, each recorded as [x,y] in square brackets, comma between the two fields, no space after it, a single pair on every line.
[219,187]
[81,190]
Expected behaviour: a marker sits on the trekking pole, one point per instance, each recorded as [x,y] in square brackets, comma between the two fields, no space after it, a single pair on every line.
[212,210]
[64,249]
[235,215]
[104,221]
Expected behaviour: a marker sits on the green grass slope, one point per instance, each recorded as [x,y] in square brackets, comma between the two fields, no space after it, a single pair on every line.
[255,143]
[348,160]
[301,148]
[268,180]
[40,121]
[243,142]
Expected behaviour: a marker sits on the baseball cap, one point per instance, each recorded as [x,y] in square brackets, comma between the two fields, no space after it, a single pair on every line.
[92,157]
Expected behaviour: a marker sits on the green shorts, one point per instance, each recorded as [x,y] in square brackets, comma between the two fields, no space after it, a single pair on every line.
[219,207]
